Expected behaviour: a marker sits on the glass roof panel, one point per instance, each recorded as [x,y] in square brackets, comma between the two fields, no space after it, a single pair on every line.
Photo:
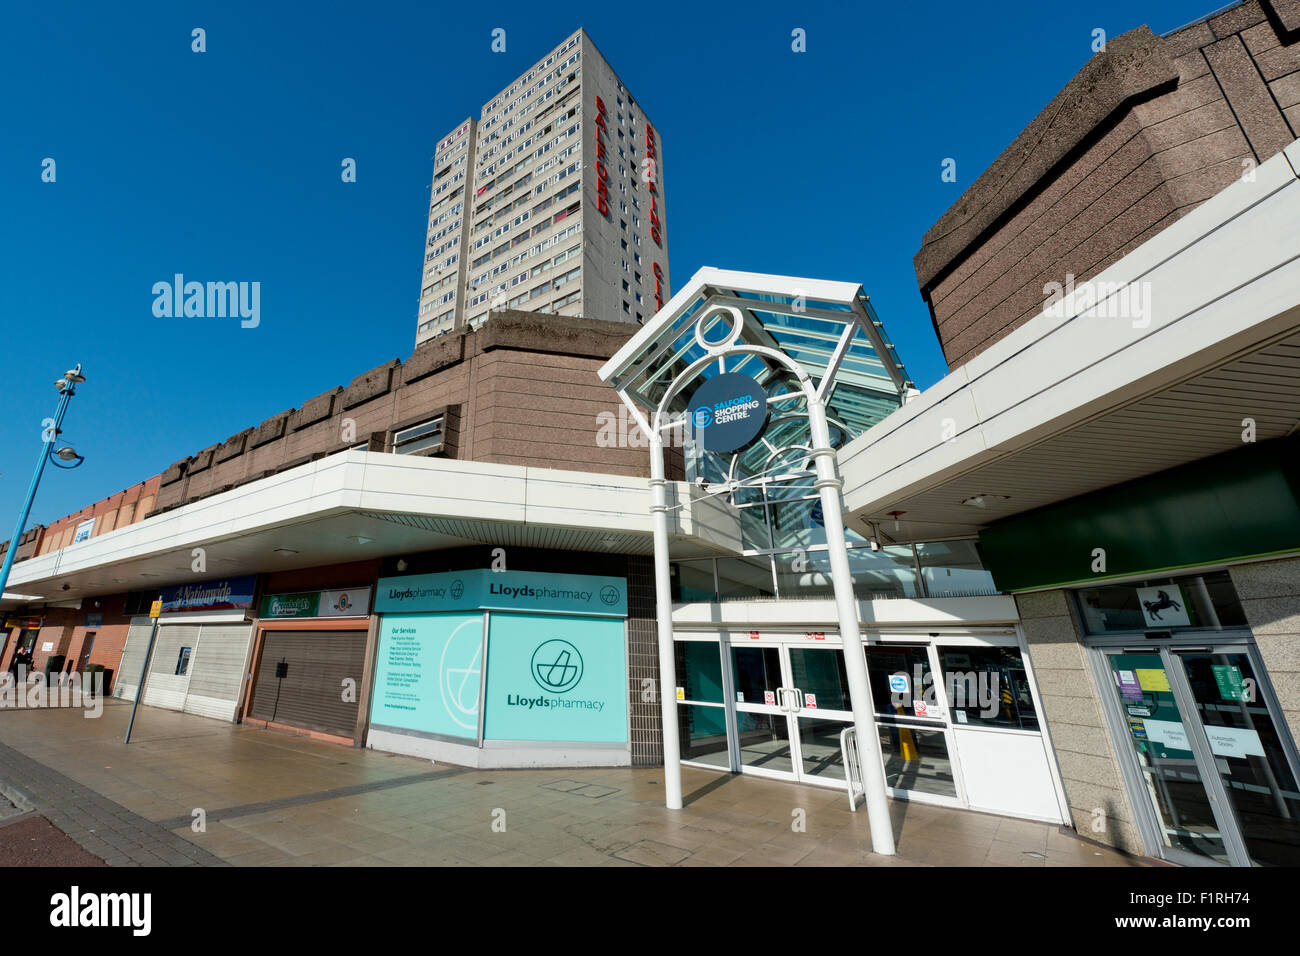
[805,320]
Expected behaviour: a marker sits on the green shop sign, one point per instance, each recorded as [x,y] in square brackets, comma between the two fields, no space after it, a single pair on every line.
[346,602]
[1234,506]
[291,605]
[585,594]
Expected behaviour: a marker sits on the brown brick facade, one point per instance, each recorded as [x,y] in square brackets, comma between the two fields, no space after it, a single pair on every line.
[1146,132]
[520,390]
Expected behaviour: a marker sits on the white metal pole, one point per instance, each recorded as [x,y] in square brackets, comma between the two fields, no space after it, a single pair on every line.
[664,618]
[855,664]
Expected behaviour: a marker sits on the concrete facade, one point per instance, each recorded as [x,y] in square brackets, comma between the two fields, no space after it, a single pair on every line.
[520,390]
[1270,597]
[1085,755]
[1147,131]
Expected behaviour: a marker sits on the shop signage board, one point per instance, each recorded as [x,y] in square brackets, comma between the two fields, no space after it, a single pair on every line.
[83,530]
[350,602]
[504,591]
[728,412]
[290,605]
[94,620]
[559,677]
[427,673]
[556,656]
[224,594]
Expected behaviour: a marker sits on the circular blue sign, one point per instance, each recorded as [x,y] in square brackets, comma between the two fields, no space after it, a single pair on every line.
[728,412]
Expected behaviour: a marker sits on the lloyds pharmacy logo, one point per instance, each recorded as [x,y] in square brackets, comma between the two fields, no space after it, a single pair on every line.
[966,689]
[1099,300]
[213,300]
[556,666]
[76,909]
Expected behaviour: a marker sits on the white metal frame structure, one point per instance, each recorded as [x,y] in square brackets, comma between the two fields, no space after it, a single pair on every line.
[783,331]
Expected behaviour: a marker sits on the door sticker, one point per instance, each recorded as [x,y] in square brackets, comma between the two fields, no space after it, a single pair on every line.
[810,701]
[1168,732]
[1228,677]
[769,697]
[1153,679]
[1163,606]
[1128,685]
[1234,742]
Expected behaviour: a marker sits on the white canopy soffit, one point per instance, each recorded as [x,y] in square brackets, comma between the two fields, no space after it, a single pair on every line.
[827,328]
[1159,361]
[357,505]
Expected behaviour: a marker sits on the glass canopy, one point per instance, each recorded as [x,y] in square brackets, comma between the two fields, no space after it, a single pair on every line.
[826,328]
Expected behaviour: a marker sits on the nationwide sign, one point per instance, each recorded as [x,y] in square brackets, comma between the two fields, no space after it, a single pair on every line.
[226,594]
[728,412]
[583,594]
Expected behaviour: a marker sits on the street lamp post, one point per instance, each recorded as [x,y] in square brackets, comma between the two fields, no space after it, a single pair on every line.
[67,387]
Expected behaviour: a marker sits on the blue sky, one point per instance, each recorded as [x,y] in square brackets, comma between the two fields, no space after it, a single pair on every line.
[225,166]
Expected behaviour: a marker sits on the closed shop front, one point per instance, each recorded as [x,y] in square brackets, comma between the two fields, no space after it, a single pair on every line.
[302,679]
[199,651]
[310,661]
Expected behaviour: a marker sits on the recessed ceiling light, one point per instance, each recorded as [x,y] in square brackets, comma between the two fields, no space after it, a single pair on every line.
[285,551]
[360,539]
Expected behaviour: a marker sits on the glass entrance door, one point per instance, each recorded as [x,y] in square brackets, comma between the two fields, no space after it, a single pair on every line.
[821,713]
[1248,752]
[1218,779]
[1187,810]
[763,701]
[792,702]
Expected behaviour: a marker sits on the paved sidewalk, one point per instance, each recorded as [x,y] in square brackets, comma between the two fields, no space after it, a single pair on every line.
[272,799]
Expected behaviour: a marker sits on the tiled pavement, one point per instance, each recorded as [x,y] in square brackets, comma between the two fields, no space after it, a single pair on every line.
[274,799]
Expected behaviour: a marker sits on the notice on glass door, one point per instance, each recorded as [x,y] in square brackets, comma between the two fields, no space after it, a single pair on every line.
[1228,677]
[1234,742]
[1128,685]
[1153,679]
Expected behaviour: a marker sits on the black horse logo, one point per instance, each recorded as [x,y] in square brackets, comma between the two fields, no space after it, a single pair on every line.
[1155,607]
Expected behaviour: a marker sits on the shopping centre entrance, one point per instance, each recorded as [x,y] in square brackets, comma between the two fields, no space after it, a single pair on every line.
[956,714]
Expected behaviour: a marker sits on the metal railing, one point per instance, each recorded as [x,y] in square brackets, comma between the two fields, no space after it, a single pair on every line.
[852,766]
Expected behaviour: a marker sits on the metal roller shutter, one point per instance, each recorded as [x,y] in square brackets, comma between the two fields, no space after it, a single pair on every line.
[137,642]
[217,669]
[310,695]
[165,687]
